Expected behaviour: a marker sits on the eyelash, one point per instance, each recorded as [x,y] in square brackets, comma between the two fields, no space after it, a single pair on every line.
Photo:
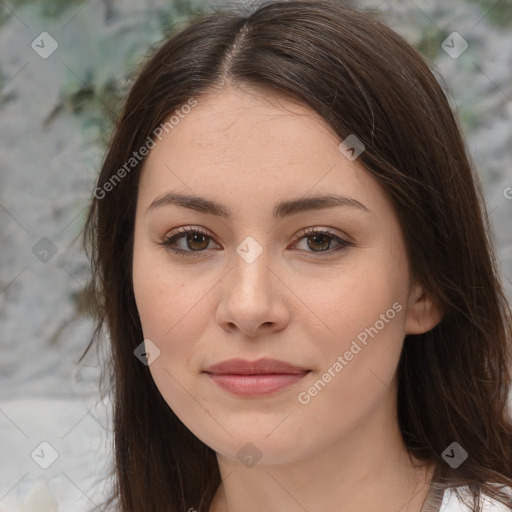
[303,233]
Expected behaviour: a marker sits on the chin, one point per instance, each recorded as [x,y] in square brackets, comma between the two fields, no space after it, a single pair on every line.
[250,448]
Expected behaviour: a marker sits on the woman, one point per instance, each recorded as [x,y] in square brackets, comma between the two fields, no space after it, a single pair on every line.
[291,256]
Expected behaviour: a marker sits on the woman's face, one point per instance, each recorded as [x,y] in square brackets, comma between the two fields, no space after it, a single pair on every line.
[336,304]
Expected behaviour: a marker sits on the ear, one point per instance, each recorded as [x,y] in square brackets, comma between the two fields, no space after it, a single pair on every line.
[423,312]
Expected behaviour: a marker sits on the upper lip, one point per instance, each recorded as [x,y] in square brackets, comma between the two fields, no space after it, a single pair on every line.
[260,366]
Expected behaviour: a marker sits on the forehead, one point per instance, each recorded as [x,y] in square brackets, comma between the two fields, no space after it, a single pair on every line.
[250,145]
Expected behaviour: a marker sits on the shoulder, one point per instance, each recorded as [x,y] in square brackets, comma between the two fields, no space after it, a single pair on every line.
[452,503]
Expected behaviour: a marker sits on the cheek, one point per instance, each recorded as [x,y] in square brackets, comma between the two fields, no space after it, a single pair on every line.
[358,363]
[171,311]
[172,316]
[353,296]
[167,296]
[362,314]
[366,341]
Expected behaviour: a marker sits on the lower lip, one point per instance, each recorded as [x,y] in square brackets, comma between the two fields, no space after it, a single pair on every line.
[256,385]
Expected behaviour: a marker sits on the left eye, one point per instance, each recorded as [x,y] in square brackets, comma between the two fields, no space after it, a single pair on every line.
[321,239]
[198,241]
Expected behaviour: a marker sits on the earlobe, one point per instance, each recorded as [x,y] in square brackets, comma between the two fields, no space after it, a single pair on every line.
[423,312]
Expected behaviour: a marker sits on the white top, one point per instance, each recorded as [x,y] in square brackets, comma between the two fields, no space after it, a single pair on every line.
[451,503]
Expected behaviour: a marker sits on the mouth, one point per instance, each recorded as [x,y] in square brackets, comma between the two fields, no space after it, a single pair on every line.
[255,378]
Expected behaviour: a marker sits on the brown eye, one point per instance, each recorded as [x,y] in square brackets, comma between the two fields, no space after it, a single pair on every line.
[320,241]
[195,242]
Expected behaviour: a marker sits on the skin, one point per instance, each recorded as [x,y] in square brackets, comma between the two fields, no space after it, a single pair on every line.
[249,150]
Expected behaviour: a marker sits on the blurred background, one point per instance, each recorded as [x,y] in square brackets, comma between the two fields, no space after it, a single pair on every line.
[65,66]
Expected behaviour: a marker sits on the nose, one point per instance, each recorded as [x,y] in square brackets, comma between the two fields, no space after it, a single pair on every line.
[253,297]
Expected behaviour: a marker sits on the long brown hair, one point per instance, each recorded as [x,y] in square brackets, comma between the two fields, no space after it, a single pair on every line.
[363,79]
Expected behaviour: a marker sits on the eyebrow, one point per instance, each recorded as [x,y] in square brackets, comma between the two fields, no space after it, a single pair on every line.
[281,209]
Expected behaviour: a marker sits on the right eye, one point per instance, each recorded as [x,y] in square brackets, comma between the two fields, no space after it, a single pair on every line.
[194,239]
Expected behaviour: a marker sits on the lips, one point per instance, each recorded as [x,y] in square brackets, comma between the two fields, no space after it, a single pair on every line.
[258,367]
[255,378]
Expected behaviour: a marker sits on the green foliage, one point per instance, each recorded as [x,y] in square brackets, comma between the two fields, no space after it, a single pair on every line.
[101,49]
[106,61]
[430,43]
[497,12]
[46,9]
